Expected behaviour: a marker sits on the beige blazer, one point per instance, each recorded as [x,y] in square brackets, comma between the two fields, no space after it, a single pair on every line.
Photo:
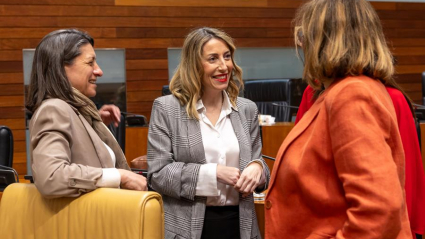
[67,155]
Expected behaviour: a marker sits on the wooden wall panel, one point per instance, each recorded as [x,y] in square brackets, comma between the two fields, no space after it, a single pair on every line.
[147,75]
[408,78]
[147,22]
[8,101]
[408,51]
[146,28]
[410,69]
[410,33]
[194,3]
[179,32]
[148,64]
[11,55]
[146,85]
[284,3]
[407,42]
[411,6]
[155,53]
[11,89]
[408,60]
[10,66]
[108,11]
[39,33]
[14,123]
[384,5]
[11,112]
[57,2]
[12,78]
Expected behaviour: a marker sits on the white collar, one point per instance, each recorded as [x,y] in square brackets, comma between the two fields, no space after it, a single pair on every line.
[227,105]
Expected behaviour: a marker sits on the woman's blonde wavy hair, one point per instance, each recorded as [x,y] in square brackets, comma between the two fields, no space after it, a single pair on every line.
[186,83]
[343,38]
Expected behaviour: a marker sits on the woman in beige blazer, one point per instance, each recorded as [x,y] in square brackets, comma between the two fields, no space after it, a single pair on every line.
[72,151]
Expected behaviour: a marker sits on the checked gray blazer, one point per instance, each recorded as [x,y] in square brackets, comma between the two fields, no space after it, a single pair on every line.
[175,154]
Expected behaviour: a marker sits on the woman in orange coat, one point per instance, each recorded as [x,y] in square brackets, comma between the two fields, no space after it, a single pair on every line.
[415,176]
[340,171]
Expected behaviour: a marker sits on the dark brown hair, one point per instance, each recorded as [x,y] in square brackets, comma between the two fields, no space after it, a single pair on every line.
[48,77]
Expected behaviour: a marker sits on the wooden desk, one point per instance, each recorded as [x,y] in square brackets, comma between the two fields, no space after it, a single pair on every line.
[273,136]
[259,210]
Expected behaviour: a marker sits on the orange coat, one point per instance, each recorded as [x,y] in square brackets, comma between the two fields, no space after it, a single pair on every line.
[340,171]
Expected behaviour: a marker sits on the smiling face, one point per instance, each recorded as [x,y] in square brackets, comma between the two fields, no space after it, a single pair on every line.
[83,72]
[218,65]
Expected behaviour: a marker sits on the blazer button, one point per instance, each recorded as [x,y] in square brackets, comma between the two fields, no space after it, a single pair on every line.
[268,204]
[72,183]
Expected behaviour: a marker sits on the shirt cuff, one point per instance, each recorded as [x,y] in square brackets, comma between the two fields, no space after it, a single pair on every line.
[111,178]
[207,180]
[263,173]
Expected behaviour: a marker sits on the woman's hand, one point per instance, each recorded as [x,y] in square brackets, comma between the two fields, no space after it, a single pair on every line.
[250,179]
[132,181]
[110,114]
[227,175]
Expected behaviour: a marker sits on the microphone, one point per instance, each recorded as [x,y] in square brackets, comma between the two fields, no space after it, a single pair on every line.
[268,157]
[287,106]
[418,106]
[419,111]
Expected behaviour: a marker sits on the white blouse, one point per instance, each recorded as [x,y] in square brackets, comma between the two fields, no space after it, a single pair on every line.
[221,147]
[111,178]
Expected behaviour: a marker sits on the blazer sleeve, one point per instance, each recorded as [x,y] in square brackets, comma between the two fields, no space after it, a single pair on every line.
[368,157]
[51,139]
[257,145]
[168,175]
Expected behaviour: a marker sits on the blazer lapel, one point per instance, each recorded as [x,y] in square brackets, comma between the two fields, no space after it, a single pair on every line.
[102,153]
[194,137]
[307,119]
[245,204]
[244,149]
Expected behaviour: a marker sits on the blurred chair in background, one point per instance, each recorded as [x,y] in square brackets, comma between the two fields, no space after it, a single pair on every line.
[8,175]
[166,90]
[6,146]
[279,98]
[119,132]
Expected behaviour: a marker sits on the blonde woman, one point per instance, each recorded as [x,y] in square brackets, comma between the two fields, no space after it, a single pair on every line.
[340,171]
[204,148]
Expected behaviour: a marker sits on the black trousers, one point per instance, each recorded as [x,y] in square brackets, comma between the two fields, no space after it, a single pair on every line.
[221,222]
